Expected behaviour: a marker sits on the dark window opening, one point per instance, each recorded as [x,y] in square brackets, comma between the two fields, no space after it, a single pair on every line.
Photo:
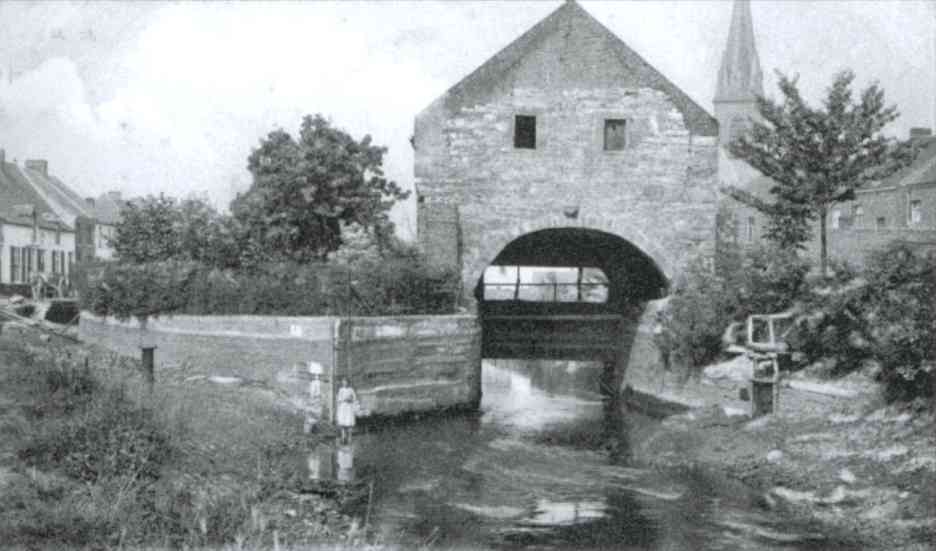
[615,134]
[881,222]
[525,132]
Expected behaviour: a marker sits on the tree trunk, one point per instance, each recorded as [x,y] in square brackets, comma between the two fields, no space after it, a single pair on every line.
[823,252]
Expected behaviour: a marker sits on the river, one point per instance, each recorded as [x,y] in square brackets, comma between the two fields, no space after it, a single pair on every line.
[544,465]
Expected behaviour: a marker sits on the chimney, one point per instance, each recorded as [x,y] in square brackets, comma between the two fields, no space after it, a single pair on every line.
[920,132]
[39,165]
[89,201]
[114,196]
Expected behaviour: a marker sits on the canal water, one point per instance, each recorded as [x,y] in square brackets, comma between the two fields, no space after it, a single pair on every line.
[544,465]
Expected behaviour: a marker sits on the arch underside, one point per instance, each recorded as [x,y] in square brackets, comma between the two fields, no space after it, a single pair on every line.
[570,330]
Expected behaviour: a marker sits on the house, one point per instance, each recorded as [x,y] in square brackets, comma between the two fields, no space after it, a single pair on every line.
[106,212]
[901,208]
[33,237]
[94,219]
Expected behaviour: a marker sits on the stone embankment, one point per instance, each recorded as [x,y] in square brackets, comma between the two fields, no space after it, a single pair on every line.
[833,452]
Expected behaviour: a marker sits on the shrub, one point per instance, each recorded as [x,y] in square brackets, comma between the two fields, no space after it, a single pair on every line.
[888,314]
[378,286]
[705,301]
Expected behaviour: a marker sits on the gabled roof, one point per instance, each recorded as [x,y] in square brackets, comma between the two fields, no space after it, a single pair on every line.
[482,80]
[57,194]
[15,190]
[923,169]
[107,210]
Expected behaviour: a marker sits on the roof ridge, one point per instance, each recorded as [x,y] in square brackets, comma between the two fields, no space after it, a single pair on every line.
[697,119]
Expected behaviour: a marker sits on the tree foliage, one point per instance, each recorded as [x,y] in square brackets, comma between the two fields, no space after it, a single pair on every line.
[763,280]
[163,228]
[304,189]
[818,156]
[886,314]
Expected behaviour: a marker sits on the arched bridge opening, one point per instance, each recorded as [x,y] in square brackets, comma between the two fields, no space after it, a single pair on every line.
[565,294]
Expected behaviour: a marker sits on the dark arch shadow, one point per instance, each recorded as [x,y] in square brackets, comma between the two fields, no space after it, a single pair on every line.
[514,328]
[633,276]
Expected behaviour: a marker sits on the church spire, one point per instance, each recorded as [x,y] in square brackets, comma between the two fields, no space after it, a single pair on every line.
[740,77]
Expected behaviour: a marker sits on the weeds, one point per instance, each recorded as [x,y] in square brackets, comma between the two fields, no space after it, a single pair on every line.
[99,462]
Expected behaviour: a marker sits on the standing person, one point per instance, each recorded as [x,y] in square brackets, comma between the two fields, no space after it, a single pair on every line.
[665,343]
[345,414]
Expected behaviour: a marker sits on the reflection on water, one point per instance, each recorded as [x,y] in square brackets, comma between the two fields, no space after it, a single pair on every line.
[541,466]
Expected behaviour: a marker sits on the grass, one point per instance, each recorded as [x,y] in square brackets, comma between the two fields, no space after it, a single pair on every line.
[91,458]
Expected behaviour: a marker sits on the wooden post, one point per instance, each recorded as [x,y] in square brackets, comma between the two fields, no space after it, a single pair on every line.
[149,373]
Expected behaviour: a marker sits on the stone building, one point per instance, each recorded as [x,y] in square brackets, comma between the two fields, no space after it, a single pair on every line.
[567,128]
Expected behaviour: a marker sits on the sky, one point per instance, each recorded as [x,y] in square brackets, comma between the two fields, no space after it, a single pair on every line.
[171,97]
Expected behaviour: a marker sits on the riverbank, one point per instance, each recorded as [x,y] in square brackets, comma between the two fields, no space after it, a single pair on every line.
[833,452]
[91,457]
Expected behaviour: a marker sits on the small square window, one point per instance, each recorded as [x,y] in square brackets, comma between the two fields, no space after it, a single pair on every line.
[615,134]
[525,132]
[881,222]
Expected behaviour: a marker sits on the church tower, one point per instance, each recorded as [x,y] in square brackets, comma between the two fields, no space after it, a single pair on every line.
[740,80]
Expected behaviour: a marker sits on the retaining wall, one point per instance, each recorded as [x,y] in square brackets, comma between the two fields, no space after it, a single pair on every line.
[396,364]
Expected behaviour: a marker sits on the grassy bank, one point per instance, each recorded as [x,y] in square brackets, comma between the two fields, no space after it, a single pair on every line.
[91,459]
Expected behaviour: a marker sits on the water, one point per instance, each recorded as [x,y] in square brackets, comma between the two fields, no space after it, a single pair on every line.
[543,466]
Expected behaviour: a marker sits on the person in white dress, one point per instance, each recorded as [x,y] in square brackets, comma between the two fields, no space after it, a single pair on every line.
[345,412]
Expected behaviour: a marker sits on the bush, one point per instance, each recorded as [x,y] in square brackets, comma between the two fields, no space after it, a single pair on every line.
[887,314]
[381,286]
[705,301]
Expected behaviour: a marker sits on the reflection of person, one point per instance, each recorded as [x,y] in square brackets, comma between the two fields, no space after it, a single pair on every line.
[345,414]
[345,462]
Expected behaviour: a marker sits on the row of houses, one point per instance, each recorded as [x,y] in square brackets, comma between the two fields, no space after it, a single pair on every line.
[46,227]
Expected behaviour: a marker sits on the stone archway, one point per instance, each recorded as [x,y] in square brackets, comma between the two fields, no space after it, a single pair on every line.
[478,257]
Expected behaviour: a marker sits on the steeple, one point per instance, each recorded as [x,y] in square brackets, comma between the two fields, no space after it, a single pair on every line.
[740,80]
[740,77]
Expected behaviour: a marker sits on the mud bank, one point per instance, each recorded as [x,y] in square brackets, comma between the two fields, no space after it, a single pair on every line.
[848,465]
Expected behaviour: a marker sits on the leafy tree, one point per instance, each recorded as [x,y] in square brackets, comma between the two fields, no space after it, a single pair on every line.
[818,156]
[147,230]
[164,228]
[304,189]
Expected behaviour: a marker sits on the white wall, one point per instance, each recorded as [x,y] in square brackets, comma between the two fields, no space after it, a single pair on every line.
[20,236]
[102,249]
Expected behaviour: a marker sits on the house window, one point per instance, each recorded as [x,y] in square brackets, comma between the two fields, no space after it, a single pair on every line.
[836,221]
[14,264]
[857,216]
[615,134]
[71,260]
[750,229]
[880,223]
[58,236]
[40,260]
[28,265]
[916,211]
[55,263]
[525,132]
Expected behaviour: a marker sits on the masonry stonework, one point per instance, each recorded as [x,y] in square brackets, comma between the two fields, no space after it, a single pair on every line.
[660,192]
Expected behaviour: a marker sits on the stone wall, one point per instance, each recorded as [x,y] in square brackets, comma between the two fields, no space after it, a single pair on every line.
[396,365]
[660,192]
